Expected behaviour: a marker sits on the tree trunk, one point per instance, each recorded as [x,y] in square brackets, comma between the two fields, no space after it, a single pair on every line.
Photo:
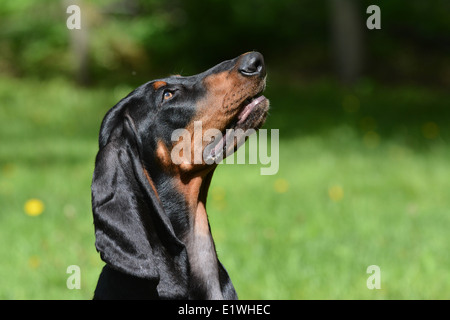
[79,45]
[347,39]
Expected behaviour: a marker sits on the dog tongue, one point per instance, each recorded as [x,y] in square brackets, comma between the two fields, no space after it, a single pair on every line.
[248,109]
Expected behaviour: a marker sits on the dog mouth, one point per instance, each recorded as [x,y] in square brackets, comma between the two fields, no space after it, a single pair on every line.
[251,116]
[250,105]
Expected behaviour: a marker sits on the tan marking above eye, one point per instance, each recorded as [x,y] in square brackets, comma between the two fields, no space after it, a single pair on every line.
[159,84]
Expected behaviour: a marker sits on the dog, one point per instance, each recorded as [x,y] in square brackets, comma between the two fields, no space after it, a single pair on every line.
[150,219]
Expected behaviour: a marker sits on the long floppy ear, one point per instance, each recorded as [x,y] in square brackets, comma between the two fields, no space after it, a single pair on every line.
[133,233]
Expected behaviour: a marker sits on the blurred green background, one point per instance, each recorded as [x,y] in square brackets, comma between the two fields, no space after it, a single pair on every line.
[364,117]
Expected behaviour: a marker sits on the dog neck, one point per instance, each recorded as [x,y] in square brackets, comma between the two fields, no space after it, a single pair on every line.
[192,227]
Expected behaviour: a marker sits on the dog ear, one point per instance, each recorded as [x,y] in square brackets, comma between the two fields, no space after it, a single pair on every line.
[133,233]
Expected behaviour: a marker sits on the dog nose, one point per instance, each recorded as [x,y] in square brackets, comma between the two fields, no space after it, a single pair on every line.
[252,64]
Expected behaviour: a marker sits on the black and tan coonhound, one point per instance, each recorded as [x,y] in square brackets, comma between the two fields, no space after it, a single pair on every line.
[150,218]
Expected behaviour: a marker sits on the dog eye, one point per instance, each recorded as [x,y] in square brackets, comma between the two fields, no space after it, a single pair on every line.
[167,95]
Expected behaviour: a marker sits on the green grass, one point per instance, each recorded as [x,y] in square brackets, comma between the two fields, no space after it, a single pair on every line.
[363,180]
